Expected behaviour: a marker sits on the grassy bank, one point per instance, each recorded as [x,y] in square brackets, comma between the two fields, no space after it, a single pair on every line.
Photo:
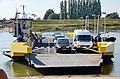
[70,25]
[52,25]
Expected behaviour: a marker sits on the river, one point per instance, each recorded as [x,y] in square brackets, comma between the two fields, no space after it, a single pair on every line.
[15,69]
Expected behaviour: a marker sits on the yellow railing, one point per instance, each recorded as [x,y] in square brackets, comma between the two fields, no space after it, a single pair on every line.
[20,49]
[106,48]
[70,34]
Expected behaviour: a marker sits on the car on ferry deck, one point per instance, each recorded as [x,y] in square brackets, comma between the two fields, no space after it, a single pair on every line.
[57,36]
[63,44]
[56,33]
[1,26]
[82,39]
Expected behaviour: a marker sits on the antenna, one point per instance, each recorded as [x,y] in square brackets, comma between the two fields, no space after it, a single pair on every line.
[23,6]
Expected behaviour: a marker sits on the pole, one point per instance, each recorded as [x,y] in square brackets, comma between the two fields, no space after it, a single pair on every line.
[30,31]
[98,25]
[94,24]
[16,23]
[104,25]
[82,22]
[23,6]
[88,23]
[48,46]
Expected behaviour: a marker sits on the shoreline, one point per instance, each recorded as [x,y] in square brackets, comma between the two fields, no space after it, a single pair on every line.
[4,30]
[7,30]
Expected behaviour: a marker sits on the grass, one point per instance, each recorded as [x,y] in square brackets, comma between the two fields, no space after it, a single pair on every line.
[65,25]
[70,25]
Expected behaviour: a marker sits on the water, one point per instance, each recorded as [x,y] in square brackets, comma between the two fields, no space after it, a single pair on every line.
[15,69]
[113,68]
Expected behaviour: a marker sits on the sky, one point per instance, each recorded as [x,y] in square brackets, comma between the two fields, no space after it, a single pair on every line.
[39,7]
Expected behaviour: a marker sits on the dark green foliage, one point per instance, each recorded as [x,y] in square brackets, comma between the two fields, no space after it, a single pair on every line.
[48,12]
[77,9]
[72,9]
[83,8]
[63,9]
[53,16]
[113,15]
[88,8]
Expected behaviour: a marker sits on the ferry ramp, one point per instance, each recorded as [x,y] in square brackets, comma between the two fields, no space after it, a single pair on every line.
[64,60]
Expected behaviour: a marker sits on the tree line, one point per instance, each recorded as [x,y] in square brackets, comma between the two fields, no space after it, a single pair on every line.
[79,9]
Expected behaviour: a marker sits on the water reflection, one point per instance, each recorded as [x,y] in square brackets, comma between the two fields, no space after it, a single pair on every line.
[107,68]
[22,70]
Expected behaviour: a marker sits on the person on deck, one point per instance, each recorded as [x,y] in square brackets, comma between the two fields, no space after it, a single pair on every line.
[99,38]
[36,38]
[20,38]
[25,37]
[40,39]
[32,40]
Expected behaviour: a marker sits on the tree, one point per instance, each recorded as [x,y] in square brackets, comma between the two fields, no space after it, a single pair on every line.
[113,15]
[61,10]
[83,8]
[75,9]
[4,19]
[98,8]
[65,9]
[48,12]
[79,8]
[70,8]
[83,12]
[38,19]
[53,16]
[34,15]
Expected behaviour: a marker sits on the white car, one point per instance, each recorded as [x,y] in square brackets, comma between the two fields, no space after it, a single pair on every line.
[82,39]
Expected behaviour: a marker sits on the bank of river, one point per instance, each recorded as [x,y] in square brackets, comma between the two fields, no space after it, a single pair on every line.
[22,70]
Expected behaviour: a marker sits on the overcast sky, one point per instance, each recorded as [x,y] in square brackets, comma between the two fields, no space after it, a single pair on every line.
[39,7]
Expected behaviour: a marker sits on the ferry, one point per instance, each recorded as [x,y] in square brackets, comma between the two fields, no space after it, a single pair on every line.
[24,49]
[21,28]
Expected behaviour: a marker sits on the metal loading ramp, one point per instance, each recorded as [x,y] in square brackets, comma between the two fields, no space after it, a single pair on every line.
[64,60]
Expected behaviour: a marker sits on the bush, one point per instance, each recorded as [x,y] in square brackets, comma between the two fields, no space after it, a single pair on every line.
[48,12]
[53,16]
